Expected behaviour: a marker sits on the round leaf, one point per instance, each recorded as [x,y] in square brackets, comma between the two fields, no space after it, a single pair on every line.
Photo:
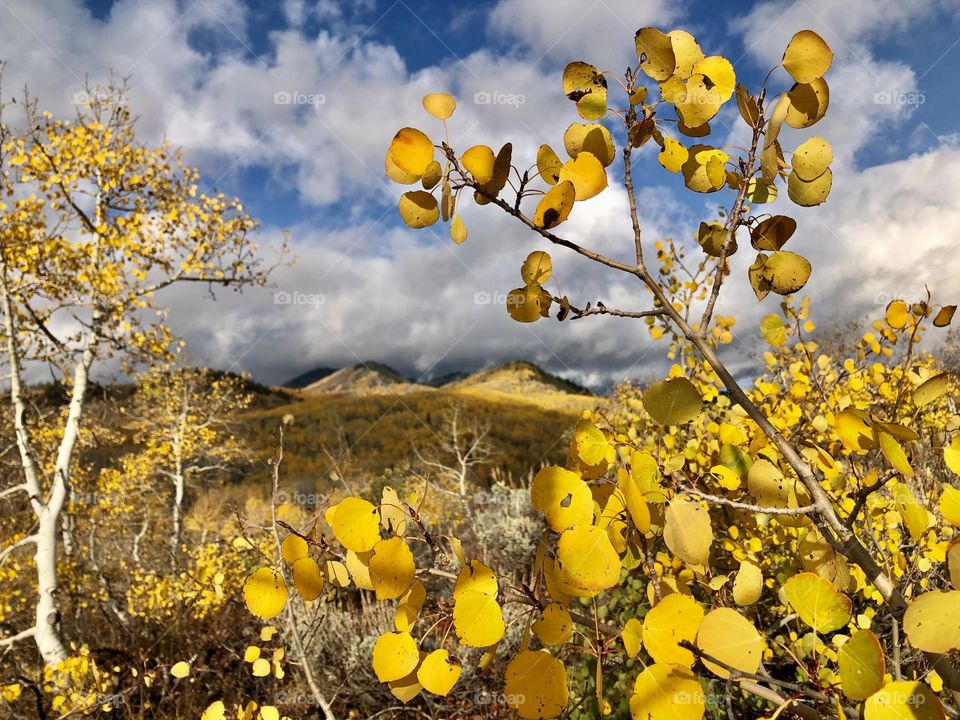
[440,105]
[395,655]
[817,602]
[265,593]
[729,637]
[673,402]
[675,619]
[807,57]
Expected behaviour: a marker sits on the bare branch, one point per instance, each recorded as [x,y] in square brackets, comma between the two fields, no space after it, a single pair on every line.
[717,500]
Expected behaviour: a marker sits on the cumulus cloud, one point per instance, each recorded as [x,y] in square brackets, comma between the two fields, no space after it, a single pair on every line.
[316,110]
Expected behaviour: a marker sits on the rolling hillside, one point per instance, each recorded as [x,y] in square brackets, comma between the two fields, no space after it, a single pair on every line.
[369,417]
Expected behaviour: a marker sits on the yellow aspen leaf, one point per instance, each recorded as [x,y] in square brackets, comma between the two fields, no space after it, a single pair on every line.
[817,602]
[594,139]
[720,72]
[393,515]
[667,692]
[526,304]
[587,175]
[587,87]
[862,665]
[410,152]
[785,272]
[590,444]
[807,57]
[307,578]
[950,505]
[432,175]
[687,531]
[261,667]
[251,654]
[915,517]
[440,105]
[655,53]
[408,687]
[478,161]
[772,234]
[395,655]
[773,330]
[675,619]
[897,314]
[701,101]
[748,584]
[293,548]
[477,619]
[729,637]
[747,105]
[686,52]
[554,207]
[554,626]
[356,524]
[180,670]
[265,593]
[563,498]
[632,637]
[587,559]
[634,498]
[269,712]
[673,155]
[944,316]
[458,230]
[712,236]
[336,573]
[537,268]
[855,430]
[418,209]
[536,685]
[893,452]
[438,672]
[705,169]
[215,711]
[808,194]
[931,389]
[932,623]
[673,402]
[408,607]
[808,103]
[953,563]
[812,158]
[358,565]
[476,577]
[903,700]
[392,568]
[548,165]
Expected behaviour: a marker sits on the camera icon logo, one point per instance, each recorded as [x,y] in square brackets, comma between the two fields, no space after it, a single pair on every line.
[282,98]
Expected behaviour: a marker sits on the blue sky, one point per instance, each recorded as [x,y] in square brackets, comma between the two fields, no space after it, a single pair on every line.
[204,74]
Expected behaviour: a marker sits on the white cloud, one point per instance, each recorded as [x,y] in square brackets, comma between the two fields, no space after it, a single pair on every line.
[411,298]
[598,31]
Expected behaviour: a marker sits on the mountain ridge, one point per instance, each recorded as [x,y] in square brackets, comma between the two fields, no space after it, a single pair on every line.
[516,379]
